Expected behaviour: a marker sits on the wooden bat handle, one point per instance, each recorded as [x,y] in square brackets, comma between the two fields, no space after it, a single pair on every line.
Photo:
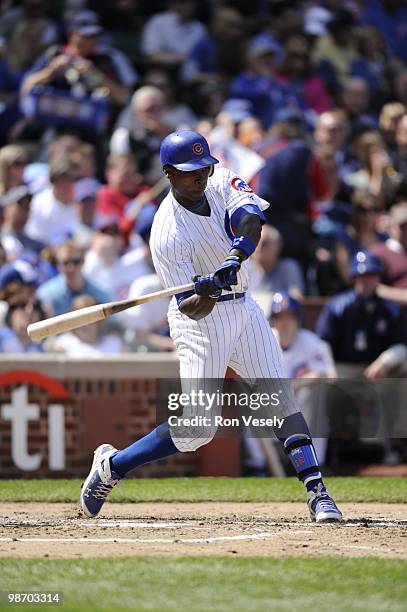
[114,307]
[92,314]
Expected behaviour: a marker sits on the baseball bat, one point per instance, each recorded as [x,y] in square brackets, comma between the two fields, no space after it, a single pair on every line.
[91,314]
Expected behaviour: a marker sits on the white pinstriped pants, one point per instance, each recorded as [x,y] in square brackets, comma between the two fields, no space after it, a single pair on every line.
[235,334]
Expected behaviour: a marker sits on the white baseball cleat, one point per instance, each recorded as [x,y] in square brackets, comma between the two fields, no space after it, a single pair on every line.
[322,507]
[100,481]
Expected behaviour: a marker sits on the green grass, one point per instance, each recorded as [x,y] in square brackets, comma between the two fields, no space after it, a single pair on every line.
[217,583]
[345,489]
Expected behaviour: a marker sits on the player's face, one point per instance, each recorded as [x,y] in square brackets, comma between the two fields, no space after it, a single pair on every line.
[188,187]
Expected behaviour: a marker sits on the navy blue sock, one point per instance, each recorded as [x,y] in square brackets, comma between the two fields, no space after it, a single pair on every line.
[156,445]
[296,439]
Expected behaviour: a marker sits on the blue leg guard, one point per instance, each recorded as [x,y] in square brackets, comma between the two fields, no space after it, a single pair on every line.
[303,458]
[156,445]
[296,439]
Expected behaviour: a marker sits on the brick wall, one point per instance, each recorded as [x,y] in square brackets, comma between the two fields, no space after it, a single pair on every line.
[104,405]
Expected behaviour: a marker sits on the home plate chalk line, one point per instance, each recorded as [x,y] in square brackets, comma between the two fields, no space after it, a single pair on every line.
[248,536]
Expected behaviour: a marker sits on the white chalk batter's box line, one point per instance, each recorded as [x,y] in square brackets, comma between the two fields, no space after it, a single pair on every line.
[128,524]
[135,524]
[249,536]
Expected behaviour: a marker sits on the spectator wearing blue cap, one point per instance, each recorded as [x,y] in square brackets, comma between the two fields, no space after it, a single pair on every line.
[18,280]
[58,293]
[16,209]
[358,324]
[305,354]
[258,83]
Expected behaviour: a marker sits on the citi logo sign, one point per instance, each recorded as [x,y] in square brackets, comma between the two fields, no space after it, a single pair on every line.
[20,412]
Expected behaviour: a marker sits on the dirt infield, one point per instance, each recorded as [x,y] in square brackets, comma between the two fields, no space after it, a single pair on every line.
[61,531]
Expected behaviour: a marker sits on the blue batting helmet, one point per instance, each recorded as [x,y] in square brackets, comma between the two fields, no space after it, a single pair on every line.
[284,302]
[186,150]
[365,263]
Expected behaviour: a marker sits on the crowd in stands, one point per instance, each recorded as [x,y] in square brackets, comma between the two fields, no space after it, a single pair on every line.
[305,100]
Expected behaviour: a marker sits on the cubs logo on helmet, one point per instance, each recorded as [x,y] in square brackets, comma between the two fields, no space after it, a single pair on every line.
[240,185]
[197,148]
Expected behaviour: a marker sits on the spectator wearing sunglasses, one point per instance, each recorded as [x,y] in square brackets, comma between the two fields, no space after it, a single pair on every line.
[59,292]
[16,209]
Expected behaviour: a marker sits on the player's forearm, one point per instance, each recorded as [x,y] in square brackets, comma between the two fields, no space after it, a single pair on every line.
[249,226]
[197,307]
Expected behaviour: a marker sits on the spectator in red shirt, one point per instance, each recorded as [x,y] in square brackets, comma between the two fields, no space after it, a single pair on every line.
[124,183]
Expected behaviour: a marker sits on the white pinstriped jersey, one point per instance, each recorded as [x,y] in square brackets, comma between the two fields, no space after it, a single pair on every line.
[184,244]
[236,333]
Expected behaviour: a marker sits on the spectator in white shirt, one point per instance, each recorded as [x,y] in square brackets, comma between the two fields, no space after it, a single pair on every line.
[168,37]
[53,210]
[114,272]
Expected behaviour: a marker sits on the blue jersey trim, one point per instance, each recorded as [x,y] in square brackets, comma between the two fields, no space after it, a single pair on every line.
[243,211]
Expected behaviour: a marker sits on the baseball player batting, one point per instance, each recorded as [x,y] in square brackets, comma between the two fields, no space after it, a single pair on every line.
[206,229]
